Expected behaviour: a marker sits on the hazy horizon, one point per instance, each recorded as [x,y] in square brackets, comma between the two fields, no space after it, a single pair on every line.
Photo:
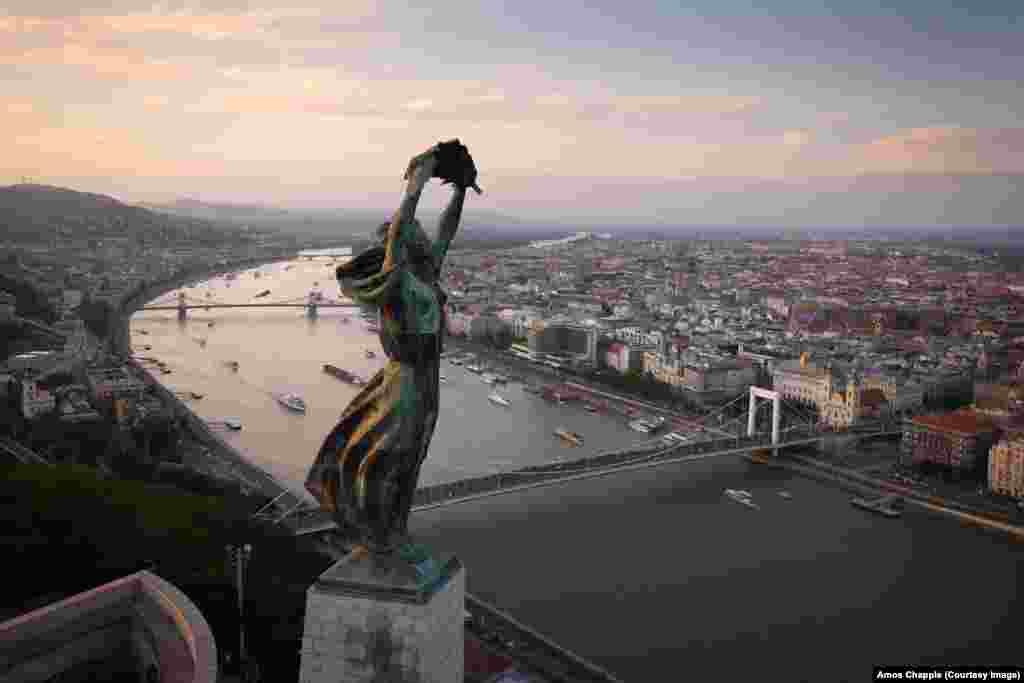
[835,114]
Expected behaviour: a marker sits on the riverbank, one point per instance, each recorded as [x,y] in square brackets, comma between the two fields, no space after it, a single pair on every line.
[864,484]
[623,404]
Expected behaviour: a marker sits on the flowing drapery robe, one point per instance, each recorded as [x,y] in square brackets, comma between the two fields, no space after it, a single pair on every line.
[367,469]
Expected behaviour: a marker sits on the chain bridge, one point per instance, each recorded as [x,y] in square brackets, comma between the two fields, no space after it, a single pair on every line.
[311,302]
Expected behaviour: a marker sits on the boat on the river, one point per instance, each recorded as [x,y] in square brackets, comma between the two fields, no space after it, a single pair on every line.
[443,379]
[233,423]
[883,506]
[370,354]
[343,375]
[233,364]
[494,397]
[673,438]
[572,437]
[262,294]
[291,401]
[742,497]
[648,426]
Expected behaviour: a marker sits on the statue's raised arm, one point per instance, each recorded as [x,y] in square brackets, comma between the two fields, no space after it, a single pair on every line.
[368,467]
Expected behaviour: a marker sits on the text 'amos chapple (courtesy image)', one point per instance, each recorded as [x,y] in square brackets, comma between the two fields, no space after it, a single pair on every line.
[948,673]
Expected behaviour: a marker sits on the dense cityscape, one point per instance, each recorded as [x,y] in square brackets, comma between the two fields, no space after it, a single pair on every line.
[852,335]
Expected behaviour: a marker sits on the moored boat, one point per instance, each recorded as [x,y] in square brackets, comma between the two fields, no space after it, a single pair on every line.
[494,397]
[882,506]
[572,437]
[233,423]
[343,375]
[292,402]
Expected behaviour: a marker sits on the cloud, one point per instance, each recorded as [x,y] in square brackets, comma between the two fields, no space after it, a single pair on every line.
[797,138]
[947,149]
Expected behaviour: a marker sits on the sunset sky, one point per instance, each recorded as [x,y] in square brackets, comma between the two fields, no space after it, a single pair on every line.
[834,113]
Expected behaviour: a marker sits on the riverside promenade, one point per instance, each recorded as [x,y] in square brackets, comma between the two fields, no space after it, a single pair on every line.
[864,484]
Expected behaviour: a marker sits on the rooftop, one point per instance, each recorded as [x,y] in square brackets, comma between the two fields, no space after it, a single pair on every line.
[964,421]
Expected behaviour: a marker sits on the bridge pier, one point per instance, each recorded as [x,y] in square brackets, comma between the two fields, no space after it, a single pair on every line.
[182,308]
[773,396]
[311,311]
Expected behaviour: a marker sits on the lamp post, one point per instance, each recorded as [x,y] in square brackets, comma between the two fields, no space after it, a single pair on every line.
[238,559]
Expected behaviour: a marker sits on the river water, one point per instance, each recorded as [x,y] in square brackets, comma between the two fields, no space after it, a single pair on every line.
[280,350]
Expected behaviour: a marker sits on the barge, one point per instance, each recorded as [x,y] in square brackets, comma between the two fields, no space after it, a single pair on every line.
[343,375]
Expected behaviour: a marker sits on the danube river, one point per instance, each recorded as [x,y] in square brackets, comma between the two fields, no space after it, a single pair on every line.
[280,350]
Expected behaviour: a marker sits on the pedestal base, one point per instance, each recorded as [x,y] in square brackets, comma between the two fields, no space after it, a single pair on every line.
[396,618]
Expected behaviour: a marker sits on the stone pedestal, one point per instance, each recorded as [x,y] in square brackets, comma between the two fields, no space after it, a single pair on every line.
[397,618]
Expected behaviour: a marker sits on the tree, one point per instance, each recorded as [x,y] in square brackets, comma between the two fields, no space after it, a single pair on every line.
[501,336]
[99,317]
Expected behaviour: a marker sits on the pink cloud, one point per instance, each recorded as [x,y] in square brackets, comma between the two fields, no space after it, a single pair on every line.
[947,149]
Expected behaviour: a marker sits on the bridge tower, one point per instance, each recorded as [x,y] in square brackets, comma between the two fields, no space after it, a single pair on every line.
[182,311]
[773,396]
[311,305]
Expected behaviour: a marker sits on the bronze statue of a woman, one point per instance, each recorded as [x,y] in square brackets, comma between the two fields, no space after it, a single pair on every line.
[366,471]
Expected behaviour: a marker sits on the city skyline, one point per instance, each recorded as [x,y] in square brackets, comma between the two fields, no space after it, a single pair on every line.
[723,113]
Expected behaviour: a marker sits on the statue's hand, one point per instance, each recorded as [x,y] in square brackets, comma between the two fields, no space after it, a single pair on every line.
[421,168]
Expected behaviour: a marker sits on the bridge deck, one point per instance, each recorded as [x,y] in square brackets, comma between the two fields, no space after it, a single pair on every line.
[518,480]
[302,305]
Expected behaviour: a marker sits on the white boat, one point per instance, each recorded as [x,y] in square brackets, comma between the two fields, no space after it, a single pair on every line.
[292,402]
[495,398]
[444,380]
[488,378]
[370,354]
[741,497]
[640,426]
[233,423]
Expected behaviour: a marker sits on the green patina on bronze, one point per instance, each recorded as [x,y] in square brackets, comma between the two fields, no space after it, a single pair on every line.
[367,469]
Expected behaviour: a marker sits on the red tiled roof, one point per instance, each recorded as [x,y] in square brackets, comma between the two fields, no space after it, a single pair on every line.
[963,421]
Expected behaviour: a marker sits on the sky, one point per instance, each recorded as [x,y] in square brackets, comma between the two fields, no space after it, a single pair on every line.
[711,112]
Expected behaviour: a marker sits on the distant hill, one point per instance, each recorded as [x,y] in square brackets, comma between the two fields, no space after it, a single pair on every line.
[354,223]
[28,211]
